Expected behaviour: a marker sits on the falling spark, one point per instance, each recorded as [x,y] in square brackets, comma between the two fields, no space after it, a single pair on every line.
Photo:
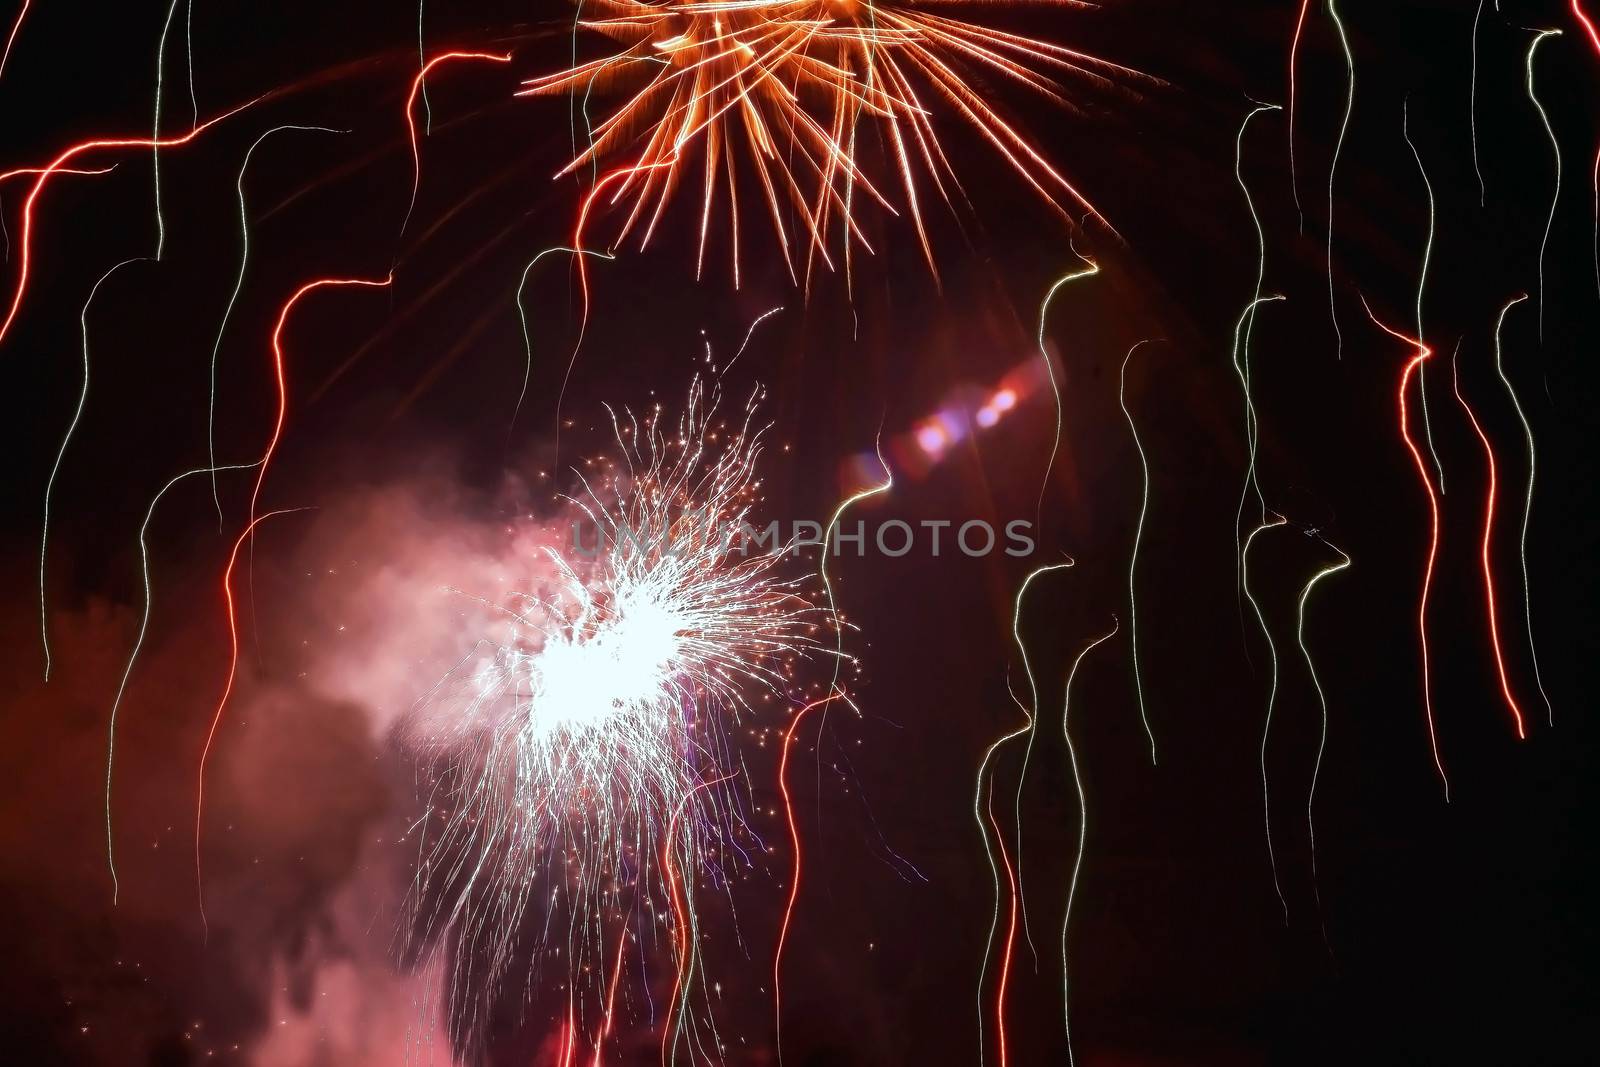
[411,123]
[1555,147]
[1472,110]
[1333,166]
[1138,529]
[1294,51]
[1423,354]
[233,298]
[138,646]
[1272,700]
[61,454]
[1593,34]
[984,824]
[11,38]
[1527,503]
[1422,284]
[1083,831]
[1486,547]
[1322,705]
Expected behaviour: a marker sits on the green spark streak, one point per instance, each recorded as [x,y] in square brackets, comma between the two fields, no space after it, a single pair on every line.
[155,135]
[522,317]
[238,286]
[1422,283]
[1090,270]
[1272,699]
[1527,504]
[1333,167]
[983,770]
[1083,831]
[1472,112]
[61,454]
[1138,535]
[1555,146]
[1322,702]
[138,644]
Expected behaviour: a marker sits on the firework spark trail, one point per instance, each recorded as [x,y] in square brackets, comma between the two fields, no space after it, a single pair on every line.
[1138,530]
[794,871]
[1322,705]
[978,814]
[138,645]
[522,318]
[1241,343]
[1527,503]
[11,38]
[1090,270]
[231,614]
[1555,148]
[1472,108]
[1333,166]
[411,123]
[793,80]
[233,298]
[61,454]
[1486,548]
[1083,831]
[683,926]
[1272,700]
[156,142]
[262,465]
[1593,34]
[59,166]
[1423,354]
[1422,284]
[1294,51]
[605,719]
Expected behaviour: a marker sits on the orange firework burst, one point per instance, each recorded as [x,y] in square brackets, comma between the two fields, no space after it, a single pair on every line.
[785,85]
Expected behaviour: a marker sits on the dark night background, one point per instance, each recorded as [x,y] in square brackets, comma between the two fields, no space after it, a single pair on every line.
[1447,933]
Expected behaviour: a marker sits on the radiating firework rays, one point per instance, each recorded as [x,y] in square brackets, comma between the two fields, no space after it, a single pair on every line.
[582,759]
[779,89]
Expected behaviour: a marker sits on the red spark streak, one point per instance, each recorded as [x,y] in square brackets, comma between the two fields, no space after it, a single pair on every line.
[233,557]
[1011,939]
[22,13]
[611,995]
[1488,570]
[1423,354]
[227,691]
[794,842]
[58,167]
[1294,49]
[680,918]
[1588,25]
[411,103]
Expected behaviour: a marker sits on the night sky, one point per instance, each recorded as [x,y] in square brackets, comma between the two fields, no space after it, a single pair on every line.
[1434,932]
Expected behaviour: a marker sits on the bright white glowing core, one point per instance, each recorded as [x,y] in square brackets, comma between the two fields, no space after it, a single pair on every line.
[622,665]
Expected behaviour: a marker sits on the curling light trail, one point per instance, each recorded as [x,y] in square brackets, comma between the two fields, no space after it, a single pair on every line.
[791,80]
[1272,700]
[1322,705]
[1593,34]
[1333,166]
[794,870]
[411,121]
[231,614]
[1423,354]
[1090,269]
[986,819]
[1083,831]
[58,166]
[522,319]
[138,645]
[1527,502]
[11,38]
[1138,529]
[61,454]
[263,464]
[233,298]
[1472,108]
[1555,148]
[1294,51]
[1422,284]
[1486,548]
